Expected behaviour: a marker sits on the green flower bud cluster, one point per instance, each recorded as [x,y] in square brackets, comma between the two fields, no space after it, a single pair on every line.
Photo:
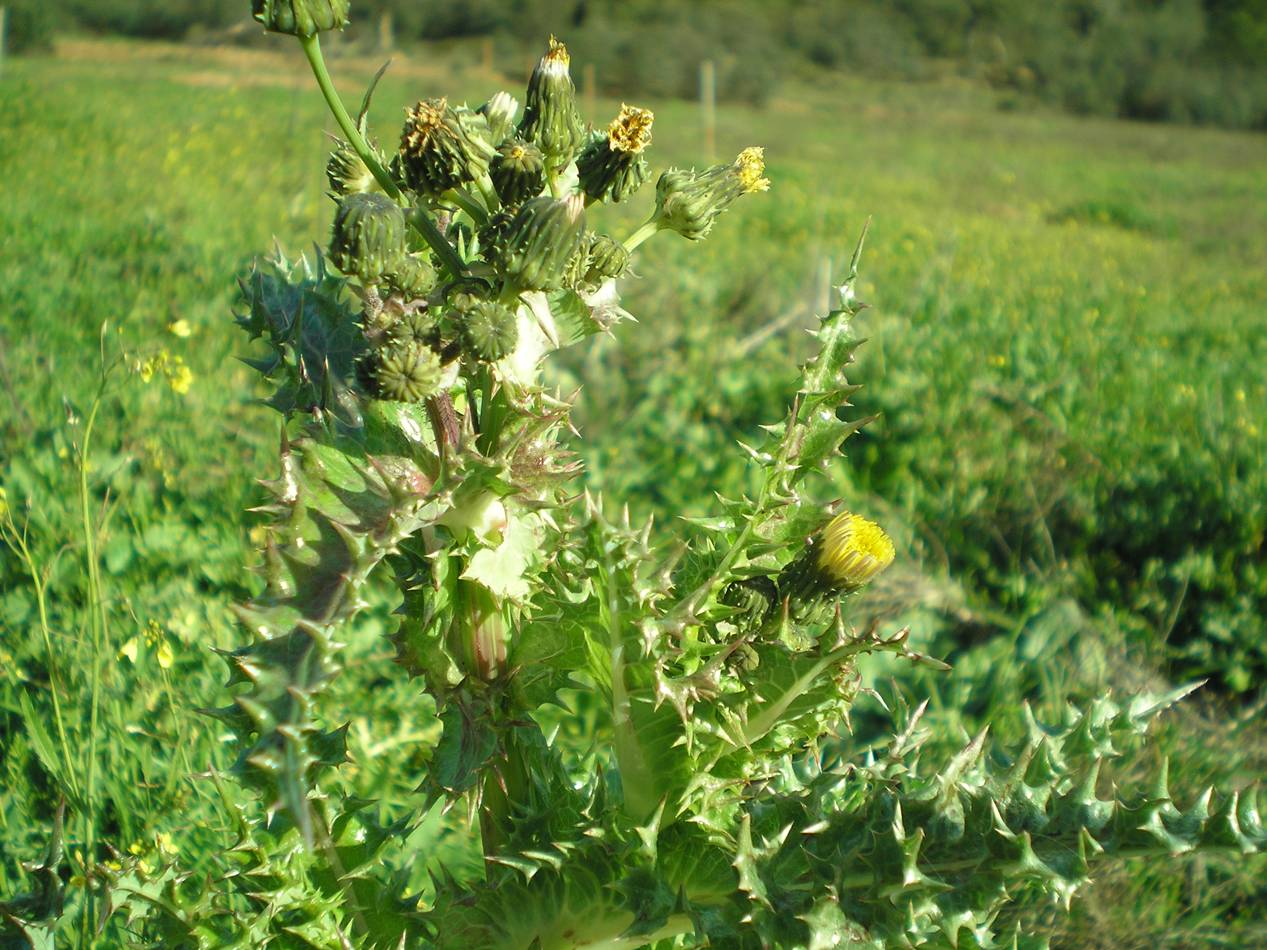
[403,371]
[442,147]
[688,202]
[413,277]
[369,236]
[611,166]
[551,120]
[608,258]
[540,241]
[518,171]
[488,330]
[598,257]
[301,17]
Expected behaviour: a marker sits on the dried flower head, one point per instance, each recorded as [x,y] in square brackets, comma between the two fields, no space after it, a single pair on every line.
[442,147]
[630,131]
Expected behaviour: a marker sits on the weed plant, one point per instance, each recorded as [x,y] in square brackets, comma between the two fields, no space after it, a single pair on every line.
[715,849]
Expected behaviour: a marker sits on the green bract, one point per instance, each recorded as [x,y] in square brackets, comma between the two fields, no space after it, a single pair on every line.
[608,258]
[301,17]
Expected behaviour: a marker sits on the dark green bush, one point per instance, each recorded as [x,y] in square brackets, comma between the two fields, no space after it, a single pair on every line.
[29,27]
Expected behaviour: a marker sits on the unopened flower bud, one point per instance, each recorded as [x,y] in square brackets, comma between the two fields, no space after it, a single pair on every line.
[541,239]
[403,372]
[442,147]
[417,326]
[611,166]
[480,631]
[518,171]
[369,236]
[851,551]
[413,277]
[347,172]
[500,111]
[489,331]
[688,202]
[492,236]
[301,17]
[607,258]
[551,119]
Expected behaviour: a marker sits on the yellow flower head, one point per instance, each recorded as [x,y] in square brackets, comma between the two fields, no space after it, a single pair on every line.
[853,550]
[750,166]
[630,131]
[558,53]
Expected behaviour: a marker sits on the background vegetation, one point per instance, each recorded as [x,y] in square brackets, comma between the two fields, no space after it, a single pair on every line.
[1198,61]
[1066,340]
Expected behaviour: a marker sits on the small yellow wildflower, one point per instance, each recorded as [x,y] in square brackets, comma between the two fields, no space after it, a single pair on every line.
[129,650]
[164,654]
[4,503]
[853,550]
[179,377]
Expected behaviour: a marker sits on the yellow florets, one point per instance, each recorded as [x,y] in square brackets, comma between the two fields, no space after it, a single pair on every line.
[558,53]
[750,166]
[630,131]
[853,550]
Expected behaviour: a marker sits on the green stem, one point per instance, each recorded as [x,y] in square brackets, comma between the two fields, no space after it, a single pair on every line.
[312,49]
[649,228]
[419,219]
[97,624]
[467,204]
[17,542]
[488,193]
[422,223]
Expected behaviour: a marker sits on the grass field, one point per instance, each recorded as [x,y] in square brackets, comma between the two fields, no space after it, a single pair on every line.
[1068,331]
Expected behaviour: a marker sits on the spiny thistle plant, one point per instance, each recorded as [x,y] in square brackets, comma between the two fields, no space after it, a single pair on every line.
[705,806]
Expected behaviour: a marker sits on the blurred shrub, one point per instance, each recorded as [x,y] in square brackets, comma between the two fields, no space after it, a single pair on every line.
[29,26]
[168,19]
[857,36]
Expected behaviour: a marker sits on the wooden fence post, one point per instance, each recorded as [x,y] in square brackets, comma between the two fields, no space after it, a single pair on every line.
[708,106]
[588,90]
